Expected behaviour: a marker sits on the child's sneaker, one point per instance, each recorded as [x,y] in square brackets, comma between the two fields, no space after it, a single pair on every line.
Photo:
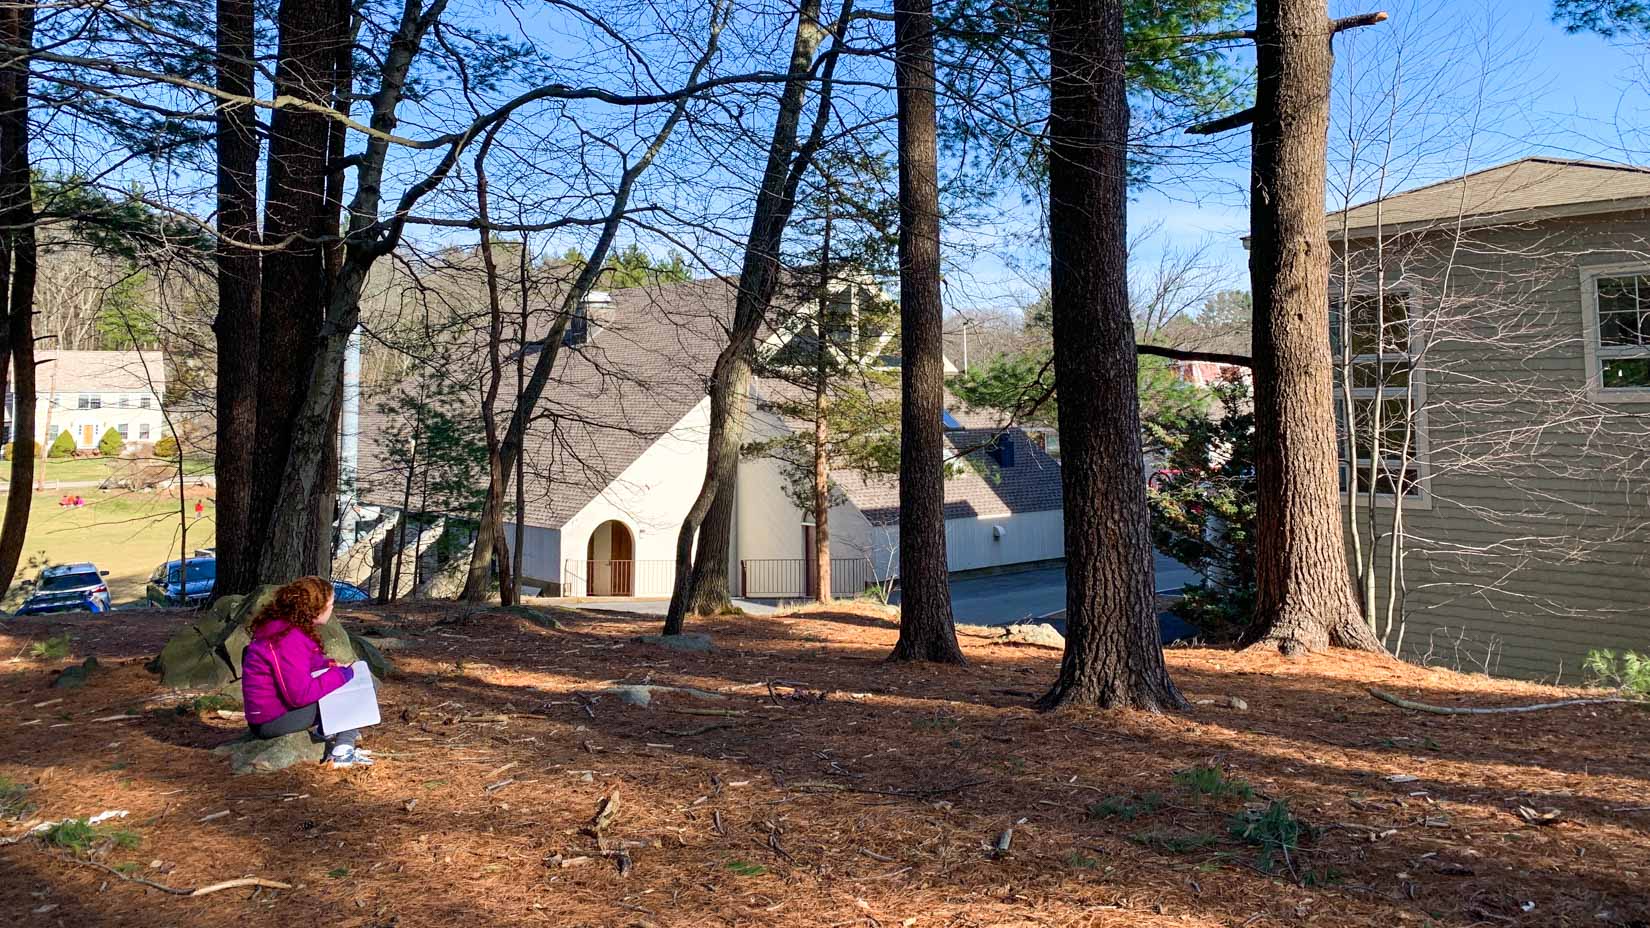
[347,756]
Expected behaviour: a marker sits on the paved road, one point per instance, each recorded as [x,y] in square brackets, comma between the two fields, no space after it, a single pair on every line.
[1031,593]
[976,600]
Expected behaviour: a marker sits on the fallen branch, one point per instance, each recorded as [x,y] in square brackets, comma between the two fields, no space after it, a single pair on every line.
[694,731]
[175,890]
[1403,703]
[720,713]
[243,881]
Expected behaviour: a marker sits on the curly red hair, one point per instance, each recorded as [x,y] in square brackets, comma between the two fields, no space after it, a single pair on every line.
[298,604]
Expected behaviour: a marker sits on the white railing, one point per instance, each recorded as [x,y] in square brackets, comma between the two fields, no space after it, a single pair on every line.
[583,577]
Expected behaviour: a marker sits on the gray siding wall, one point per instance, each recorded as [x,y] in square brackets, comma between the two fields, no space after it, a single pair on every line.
[1532,545]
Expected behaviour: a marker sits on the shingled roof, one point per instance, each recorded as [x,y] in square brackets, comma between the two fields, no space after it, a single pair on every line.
[101,371]
[644,367]
[1526,189]
[614,396]
[977,484]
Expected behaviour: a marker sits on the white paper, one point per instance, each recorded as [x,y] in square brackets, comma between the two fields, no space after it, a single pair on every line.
[353,705]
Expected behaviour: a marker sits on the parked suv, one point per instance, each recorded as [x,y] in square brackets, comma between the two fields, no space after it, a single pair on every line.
[172,585]
[66,588]
[164,585]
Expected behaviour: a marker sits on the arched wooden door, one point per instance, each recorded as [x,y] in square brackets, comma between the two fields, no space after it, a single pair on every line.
[611,557]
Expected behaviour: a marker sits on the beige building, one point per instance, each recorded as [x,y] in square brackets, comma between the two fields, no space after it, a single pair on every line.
[1500,395]
[86,393]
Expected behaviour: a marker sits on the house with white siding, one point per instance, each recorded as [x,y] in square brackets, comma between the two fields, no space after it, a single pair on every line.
[617,454]
[1494,334]
[87,393]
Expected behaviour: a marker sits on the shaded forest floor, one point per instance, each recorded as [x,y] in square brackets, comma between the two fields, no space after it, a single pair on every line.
[827,788]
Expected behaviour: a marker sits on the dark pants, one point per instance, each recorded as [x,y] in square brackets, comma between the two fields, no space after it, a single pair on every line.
[303,718]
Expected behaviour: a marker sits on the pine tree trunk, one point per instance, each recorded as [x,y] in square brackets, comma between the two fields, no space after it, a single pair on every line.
[18,253]
[822,497]
[490,530]
[704,542]
[517,552]
[1304,584]
[709,593]
[236,326]
[1113,657]
[822,429]
[294,291]
[310,425]
[926,632]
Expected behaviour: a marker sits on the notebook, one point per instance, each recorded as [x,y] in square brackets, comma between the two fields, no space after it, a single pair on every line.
[353,705]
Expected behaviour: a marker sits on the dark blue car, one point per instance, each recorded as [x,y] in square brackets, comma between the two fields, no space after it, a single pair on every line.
[172,585]
[66,588]
[164,586]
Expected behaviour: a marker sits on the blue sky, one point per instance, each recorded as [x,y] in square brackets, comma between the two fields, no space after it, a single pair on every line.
[1546,93]
[1483,83]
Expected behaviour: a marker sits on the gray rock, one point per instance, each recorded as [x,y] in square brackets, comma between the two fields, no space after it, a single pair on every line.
[384,642]
[253,755]
[73,678]
[632,695]
[641,694]
[206,654]
[1043,635]
[692,641]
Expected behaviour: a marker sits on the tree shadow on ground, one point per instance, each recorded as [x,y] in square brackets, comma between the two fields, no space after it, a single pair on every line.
[890,790]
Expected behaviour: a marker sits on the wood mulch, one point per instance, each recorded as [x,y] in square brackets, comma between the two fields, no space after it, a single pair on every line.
[828,788]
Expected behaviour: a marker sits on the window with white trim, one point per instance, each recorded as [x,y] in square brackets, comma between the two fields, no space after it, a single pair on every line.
[1386,435]
[1620,331]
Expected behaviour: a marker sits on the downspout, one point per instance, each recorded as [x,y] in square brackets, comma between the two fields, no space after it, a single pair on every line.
[349,446]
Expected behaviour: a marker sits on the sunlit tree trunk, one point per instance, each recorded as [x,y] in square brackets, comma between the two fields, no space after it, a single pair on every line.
[926,632]
[17,256]
[1113,657]
[1306,600]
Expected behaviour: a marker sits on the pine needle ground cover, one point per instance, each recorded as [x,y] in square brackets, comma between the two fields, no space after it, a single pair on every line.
[818,785]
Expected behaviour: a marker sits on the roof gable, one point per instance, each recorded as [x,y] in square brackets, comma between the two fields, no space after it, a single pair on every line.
[1524,189]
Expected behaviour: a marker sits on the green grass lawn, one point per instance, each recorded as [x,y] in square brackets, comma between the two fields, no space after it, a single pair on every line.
[79,470]
[126,533]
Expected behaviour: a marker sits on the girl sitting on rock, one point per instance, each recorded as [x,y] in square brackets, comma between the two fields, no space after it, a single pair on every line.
[284,671]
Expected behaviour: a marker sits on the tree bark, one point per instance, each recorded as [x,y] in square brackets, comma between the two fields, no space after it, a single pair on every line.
[708,592]
[295,285]
[491,532]
[822,428]
[1305,594]
[17,253]
[517,556]
[1113,657]
[321,543]
[701,582]
[288,549]
[926,632]
[236,325]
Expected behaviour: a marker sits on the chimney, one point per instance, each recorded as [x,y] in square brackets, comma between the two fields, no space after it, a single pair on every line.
[593,313]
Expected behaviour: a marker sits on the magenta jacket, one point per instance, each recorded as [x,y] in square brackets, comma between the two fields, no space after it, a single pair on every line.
[278,672]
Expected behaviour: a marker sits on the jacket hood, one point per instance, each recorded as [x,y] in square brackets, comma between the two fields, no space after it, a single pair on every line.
[274,629]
